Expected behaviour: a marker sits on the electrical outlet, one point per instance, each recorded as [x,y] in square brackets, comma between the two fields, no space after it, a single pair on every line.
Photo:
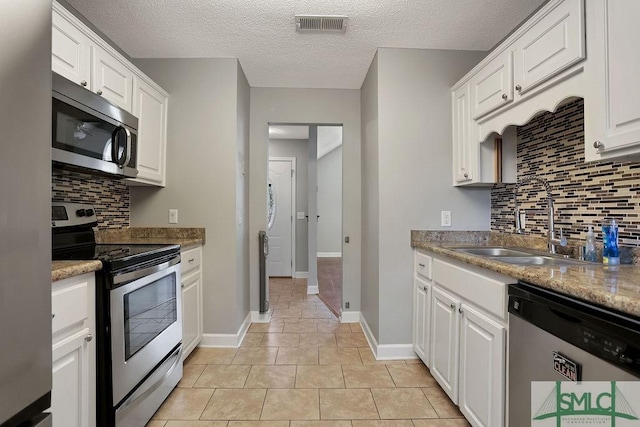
[173,216]
[445,218]
[347,304]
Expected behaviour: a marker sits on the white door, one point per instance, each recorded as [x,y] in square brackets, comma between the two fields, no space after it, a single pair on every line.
[445,326]
[70,391]
[421,310]
[280,260]
[482,369]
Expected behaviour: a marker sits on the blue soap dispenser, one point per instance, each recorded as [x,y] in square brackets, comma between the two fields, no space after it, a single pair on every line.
[610,250]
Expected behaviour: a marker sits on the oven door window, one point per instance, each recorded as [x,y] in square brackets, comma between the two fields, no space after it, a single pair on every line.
[148,311]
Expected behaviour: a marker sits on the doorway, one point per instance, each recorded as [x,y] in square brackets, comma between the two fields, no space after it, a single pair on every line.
[281,206]
[315,206]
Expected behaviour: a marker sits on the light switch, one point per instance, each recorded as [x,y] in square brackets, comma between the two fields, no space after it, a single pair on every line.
[173,216]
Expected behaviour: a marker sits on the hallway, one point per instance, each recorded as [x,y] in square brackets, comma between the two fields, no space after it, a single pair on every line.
[303,367]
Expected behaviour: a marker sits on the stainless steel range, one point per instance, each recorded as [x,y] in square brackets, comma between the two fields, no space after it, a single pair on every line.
[138,317]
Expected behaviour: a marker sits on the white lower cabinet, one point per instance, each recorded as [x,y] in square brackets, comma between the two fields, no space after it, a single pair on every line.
[421,310]
[191,282]
[445,327]
[463,309]
[74,352]
[482,368]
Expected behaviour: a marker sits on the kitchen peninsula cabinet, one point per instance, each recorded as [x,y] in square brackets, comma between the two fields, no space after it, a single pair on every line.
[191,283]
[74,352]
[421,305]
[81,56]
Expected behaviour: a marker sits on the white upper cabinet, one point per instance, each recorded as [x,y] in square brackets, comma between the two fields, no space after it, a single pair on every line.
[612,108]
[81,56]
[492,87]
[150,107]
[462,151]
[112,79]
[70,50]
[554,42]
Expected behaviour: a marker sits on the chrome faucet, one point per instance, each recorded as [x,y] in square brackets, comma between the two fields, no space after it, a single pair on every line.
[552,241]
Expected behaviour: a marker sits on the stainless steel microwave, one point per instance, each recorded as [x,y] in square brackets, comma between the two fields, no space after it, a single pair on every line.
[91,134]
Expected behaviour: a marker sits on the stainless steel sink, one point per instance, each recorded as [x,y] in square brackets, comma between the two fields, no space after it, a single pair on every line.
[492,251]
[539,260]
[517,256]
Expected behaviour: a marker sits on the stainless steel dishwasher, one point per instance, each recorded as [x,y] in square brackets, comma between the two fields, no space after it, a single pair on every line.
[545,325]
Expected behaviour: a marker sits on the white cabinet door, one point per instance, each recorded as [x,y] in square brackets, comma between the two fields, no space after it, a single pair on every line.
[462,151]
[112,79]
[150,107]
[445,327]
[70,51]
[482,369]
[421,309]
[555,42]
[492,87]
[191,313]
[612,111]
[70,392]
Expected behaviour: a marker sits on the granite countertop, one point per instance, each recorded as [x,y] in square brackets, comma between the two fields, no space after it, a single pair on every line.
[133,235]
[65,269]
[616,287]
[153,236]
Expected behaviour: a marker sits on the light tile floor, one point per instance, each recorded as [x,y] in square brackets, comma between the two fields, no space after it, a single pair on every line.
[304,369]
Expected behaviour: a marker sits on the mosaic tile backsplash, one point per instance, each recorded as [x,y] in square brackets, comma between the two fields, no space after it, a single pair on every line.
[110,198]
[551,146]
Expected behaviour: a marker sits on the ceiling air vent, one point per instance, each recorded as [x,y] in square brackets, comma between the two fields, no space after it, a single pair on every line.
[321,23]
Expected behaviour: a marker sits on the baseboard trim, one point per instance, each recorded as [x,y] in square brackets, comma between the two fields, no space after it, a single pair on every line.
[350,317]
[301,275]
[312,290]
[226,340]
[329,254]
[386,351]
[257,317]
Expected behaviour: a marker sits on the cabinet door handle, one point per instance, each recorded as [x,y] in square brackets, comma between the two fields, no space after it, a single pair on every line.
[453,305]
[598,145]
[466,175]
[99,92]
[84,83]
[518,88]
[460,311]
[421,265]
[88,338]
[182,285]
[53,315]
[192,259]
[504,96]
[424,288]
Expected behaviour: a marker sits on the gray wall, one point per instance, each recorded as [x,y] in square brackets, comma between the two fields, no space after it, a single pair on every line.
[205,138]
[299,149]
[414,161]
[370,200]
[322,106]
[330,201]
[242,195]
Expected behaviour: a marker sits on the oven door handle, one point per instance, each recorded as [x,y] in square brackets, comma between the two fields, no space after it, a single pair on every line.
[137,396]
[138,274]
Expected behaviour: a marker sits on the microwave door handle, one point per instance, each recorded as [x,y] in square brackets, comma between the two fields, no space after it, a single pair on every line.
[128,149]
[114,145]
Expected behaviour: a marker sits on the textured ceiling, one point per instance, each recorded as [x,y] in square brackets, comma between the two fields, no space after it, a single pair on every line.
[261,33]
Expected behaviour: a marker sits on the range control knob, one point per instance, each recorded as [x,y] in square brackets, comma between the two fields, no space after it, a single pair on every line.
[81,212]
[89,212]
